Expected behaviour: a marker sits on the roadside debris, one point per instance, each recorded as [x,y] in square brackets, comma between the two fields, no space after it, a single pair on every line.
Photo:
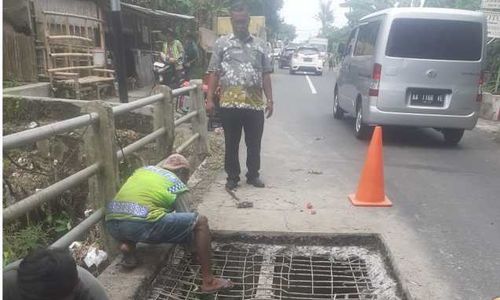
[239,203]
[95,257]
[314,172]
[32,125]
[310,208]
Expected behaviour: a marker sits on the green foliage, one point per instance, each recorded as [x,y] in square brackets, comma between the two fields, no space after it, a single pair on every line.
[17,243]
[59,224]
[206,10]
[325,16]
[492,66]
[286,32]
[459,4]
[10,83]
[19,240]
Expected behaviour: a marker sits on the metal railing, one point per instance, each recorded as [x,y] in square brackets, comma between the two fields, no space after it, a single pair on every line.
[102,147]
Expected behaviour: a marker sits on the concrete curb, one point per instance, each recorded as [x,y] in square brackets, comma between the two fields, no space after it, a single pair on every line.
[490,107]
[122,285]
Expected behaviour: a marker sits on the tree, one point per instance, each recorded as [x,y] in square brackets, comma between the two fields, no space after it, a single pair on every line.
[286,32]
[325,16]
[459,4]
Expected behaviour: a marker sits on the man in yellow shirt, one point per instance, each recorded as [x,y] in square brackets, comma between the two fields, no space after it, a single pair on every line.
[143,211]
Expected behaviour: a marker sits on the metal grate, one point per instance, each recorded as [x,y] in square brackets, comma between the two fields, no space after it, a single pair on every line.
[321,277]
[267,272]
[181,278]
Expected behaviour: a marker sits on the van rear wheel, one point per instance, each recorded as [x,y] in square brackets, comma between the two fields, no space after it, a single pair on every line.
[361,130]
[338,113]
[452,136]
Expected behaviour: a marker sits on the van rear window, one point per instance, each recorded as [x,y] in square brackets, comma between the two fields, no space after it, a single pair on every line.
[435,39]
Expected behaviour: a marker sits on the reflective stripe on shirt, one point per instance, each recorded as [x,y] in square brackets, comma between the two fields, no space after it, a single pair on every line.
[127,208]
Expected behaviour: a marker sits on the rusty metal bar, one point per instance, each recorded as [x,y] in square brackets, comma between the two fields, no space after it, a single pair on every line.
[185,118]
[27,204]
[23,138]
[184,90]
[140,143]
[187,143]
[124,108]
[79,230]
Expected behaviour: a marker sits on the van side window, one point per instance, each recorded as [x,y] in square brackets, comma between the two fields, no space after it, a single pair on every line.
[350,43]
[367,38]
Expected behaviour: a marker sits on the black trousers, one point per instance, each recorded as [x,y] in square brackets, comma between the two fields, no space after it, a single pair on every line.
[252,122]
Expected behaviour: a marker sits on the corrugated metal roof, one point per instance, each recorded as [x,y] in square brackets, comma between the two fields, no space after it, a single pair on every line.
[157,13]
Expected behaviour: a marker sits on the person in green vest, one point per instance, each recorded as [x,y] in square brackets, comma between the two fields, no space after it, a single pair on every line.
[173,50]
[143,211]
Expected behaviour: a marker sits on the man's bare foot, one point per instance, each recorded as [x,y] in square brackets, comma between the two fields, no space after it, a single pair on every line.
[127,248]
[216,284]
[130,259]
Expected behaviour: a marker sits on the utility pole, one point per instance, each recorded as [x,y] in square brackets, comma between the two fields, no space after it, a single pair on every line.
[118,49]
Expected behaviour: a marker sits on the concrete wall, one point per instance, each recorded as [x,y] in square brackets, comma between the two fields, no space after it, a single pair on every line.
[143,60]
[41,89]
[490,107]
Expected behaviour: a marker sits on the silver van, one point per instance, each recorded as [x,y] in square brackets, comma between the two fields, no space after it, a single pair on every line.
[413,67]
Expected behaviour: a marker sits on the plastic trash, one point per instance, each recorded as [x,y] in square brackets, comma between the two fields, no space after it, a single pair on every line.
[95,257]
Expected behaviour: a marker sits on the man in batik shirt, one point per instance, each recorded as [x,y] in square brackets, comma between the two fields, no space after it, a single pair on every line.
[241,66]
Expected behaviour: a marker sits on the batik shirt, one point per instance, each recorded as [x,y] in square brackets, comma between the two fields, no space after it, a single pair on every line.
[240,65]
[147,195]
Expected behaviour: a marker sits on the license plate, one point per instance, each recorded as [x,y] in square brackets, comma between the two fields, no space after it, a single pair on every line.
[308,59]
[428,97]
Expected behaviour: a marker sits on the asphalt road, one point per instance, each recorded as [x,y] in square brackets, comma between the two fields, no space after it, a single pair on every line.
[450,196]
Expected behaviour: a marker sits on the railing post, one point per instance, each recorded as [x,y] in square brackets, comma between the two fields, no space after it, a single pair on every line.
[199,123]
[164,115]
[100,146]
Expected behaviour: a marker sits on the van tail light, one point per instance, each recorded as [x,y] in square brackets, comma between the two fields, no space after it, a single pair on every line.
[376,75]
[479,97]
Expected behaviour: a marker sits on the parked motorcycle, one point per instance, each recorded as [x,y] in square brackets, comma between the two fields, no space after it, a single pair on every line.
[165,73]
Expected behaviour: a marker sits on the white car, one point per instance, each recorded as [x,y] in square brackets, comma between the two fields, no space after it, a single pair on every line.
[306,60]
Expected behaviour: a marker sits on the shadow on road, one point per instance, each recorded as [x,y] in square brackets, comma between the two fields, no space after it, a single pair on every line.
[400,136]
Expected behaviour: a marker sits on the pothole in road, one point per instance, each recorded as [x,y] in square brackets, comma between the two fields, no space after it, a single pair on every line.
[286,266]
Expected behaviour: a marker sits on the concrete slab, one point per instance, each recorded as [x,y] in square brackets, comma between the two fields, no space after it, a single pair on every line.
[294,179]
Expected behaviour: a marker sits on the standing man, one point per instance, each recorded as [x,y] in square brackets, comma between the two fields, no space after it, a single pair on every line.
[241,64]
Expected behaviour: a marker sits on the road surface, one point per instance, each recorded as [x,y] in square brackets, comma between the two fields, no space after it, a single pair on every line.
[446,213]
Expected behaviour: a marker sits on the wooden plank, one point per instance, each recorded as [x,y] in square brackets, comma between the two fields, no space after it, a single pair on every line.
[70,54]
[88,80]
[54,13]
[68,37]
[104,70]
[65,74]
[71,68]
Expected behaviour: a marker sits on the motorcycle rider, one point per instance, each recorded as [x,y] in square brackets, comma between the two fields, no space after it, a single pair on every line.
[174,53]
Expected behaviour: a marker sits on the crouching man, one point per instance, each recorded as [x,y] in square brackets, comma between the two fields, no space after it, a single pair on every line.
[143,211]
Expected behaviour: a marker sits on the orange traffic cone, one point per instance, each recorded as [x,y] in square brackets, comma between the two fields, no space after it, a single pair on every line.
[371,184]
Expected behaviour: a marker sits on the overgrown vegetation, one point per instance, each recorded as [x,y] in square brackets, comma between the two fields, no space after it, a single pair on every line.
[205,11]
[10,83]
[21,238]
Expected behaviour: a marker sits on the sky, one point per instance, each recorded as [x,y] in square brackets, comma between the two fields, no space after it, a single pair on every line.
[300,13]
